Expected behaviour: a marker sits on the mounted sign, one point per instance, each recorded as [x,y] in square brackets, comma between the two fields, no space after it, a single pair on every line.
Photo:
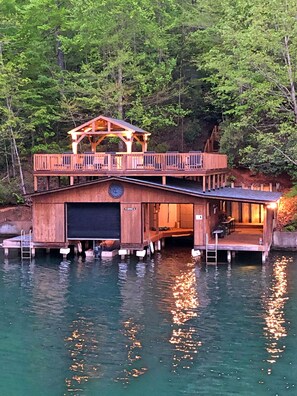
[129,209]
[199,217]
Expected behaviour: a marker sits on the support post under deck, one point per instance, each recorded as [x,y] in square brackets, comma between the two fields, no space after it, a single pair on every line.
[35,183]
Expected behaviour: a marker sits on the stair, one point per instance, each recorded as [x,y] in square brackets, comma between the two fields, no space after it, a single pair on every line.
[26,245]
[212,252]
[212,144]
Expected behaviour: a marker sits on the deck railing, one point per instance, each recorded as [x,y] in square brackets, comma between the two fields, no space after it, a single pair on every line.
[126,163]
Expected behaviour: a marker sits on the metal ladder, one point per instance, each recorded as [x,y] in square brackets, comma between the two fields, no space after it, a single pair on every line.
[26,244]
[212,253]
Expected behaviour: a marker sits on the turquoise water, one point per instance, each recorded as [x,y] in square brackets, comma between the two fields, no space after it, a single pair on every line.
[167,326]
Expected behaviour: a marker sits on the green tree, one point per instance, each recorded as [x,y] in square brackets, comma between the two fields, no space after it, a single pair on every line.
[251,62]
[30,33]
[126,69]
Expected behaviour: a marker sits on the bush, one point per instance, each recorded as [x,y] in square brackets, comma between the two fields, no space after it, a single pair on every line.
[291,226]
[10,193]
[293,192]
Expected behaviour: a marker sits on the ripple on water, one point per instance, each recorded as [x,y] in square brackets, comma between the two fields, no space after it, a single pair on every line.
[162,326]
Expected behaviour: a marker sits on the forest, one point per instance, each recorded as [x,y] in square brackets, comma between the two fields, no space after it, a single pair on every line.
[175,68]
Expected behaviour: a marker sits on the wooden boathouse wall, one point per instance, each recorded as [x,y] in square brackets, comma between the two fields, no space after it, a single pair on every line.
[131,224]
[142,210]
[200,223]
[49,222]
[49,211]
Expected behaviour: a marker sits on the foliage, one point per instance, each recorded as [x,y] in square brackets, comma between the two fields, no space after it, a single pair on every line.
[250,55]
[293,192]
[172,67]
[287,210]
[291,226]
[10,193]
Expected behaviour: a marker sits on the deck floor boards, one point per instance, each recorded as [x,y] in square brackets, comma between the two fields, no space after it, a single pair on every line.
[242,239]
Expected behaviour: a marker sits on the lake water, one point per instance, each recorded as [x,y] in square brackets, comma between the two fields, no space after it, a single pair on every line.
[166,326]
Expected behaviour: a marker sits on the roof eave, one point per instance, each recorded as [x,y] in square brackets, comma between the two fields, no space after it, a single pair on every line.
[165,187]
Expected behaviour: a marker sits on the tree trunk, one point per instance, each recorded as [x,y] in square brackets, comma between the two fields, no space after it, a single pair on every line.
[120,91]
[6,162]
[12,158]
[291,78]
[23,187]
[59,52]
[15,152]
[120,102]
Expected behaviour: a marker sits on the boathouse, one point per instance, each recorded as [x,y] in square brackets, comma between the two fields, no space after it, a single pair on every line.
[138,198]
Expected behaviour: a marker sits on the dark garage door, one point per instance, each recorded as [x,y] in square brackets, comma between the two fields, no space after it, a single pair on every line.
[93,221]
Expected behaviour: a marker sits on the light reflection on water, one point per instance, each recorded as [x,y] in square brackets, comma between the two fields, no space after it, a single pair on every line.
[185,298]
[132,292]
[84,349]
[162,326]
[274,304]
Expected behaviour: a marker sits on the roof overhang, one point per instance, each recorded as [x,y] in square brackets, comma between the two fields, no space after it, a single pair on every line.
[107,126]
[188,188]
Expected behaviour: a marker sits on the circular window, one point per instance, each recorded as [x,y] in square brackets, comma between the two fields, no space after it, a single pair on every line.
[116,190]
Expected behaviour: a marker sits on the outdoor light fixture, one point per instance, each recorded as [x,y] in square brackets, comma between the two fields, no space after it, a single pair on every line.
[272,205]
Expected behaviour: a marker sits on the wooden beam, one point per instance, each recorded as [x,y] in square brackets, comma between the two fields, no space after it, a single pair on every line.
[129,146]
[100,140]
[35,183]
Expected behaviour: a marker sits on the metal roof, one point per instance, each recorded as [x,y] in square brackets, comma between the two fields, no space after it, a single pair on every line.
[187,187]
[233,194]
[120,123]
[125,125]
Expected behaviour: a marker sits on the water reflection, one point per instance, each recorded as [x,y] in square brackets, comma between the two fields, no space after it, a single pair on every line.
[274,304]
[134,347]
[83,347]
[49,288]
[132,285]
[185,296]
[186,303]
[144,325]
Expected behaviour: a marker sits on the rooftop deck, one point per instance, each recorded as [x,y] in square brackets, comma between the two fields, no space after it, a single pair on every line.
[129,164]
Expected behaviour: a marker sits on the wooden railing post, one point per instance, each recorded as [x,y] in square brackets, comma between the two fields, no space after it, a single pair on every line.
[172,163]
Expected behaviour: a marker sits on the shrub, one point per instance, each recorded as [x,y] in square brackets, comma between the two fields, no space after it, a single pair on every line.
[10,193]
[291,226]
[293,192]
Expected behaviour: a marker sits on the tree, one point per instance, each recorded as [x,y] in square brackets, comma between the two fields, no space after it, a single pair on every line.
[125,69]
[11,123]
[251,63]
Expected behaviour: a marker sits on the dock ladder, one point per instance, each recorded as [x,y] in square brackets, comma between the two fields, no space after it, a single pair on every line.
[211,251]
[26,245]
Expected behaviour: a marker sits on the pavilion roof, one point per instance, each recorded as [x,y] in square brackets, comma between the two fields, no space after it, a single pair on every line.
[106,125]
